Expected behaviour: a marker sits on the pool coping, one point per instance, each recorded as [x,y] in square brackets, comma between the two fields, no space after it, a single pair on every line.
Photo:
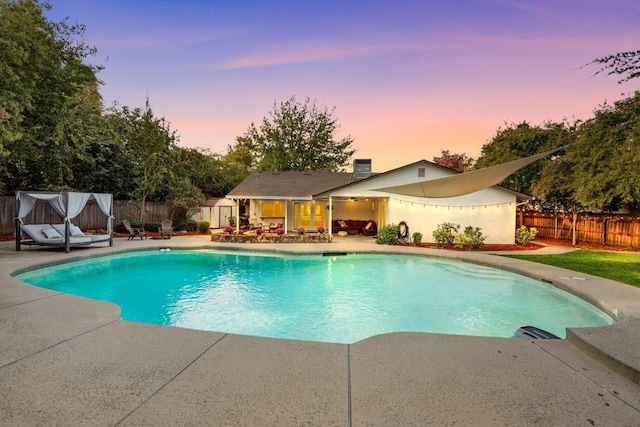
[35,326]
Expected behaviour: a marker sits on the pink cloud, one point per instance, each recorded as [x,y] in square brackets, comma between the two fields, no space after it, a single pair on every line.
[308,52]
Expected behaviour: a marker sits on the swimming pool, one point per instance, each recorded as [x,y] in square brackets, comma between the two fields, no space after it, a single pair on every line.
[340,299]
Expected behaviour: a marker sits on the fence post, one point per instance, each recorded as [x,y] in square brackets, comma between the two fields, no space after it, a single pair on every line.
[604,231]
[573,228]
[521,216]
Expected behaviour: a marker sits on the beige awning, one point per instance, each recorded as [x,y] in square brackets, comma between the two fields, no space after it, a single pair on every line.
[467,182]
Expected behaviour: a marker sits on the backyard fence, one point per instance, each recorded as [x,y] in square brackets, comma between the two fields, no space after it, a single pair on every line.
[607,229]
[90,218]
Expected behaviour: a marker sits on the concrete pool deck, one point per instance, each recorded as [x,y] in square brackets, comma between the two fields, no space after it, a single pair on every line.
[70,361]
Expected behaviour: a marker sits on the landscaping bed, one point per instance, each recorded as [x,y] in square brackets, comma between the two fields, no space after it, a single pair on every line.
[271,238]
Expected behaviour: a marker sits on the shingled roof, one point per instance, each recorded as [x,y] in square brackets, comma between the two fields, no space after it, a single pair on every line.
[288,185]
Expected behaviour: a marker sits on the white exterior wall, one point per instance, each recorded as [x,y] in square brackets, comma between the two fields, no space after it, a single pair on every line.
[497,220]
[212,213]
[492,210]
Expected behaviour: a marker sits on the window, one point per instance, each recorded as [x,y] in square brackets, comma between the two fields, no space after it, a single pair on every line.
[270,209]
[420,172]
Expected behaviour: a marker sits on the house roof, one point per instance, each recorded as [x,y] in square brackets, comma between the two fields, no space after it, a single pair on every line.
[288,185]
[325,193]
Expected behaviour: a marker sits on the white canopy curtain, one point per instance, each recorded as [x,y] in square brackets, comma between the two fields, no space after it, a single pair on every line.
[467,182]
[67,204]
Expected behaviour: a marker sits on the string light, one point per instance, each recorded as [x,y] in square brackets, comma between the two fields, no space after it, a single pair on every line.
[436,206]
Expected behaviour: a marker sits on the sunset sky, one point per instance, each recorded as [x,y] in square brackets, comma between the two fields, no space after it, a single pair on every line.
[407,78]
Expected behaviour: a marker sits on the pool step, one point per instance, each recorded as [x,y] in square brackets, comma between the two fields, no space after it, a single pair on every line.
[617,345]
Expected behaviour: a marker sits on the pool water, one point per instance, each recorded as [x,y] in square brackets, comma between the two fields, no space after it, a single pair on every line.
[340,299]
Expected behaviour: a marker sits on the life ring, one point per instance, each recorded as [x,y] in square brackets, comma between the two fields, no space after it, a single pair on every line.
[403,231]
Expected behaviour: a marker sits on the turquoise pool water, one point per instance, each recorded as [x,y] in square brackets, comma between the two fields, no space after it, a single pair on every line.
[340,299]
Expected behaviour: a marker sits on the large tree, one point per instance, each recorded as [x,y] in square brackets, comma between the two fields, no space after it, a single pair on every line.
[516,141]
[606,166]
[149,141]
[48,97]
[297,137]
[236,165]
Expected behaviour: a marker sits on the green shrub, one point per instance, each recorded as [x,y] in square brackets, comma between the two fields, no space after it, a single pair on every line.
[184,224]
[203,227]
[445,234]
[471,238]
[388,234]
[150,226]
[416,238]
[525,236]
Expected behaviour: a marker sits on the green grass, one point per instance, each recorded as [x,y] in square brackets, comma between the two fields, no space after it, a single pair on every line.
[619,266]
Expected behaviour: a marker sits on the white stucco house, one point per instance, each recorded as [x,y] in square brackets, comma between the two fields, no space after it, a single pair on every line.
[216,211]
[312,199]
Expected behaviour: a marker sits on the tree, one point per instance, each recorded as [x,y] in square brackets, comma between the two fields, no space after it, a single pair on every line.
[297,137]
[149,141]
[522,140]
[599,170]
[48,97]
[184,198]
[625,64]
[606,165]
[455,161]
[236,165]
[201,167]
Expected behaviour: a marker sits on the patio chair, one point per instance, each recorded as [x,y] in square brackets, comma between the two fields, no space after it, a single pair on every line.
[133,232]
[255,223]
[166,229]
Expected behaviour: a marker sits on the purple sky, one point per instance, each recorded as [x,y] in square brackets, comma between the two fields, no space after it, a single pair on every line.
[406,78]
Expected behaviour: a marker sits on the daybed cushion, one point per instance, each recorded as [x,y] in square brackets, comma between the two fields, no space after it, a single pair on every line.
[36,232]
[78,236]
[74,230]
[51,233]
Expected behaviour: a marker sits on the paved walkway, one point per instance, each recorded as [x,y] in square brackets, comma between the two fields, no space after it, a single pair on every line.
[70,361]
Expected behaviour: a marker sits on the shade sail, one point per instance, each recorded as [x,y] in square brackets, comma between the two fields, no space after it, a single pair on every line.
[467,182]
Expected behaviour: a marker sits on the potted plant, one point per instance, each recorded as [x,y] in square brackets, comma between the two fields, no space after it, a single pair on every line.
[228,229]
[259,231]
[301,230]
[320,230]
[279,231]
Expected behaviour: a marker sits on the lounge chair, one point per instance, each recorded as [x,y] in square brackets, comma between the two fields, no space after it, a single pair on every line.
[53,235]
[46,235]
[133,232]
[166,229]
[76,232]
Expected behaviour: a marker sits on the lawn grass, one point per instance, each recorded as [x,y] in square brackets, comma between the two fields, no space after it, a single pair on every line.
[620,266]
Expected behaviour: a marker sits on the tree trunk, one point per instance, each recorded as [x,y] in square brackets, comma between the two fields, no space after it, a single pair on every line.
[573,227]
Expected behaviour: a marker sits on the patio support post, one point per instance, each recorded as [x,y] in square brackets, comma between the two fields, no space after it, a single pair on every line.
[18,225]
[330,217]
[237,215]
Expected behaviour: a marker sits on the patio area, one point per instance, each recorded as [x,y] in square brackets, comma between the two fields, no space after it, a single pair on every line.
[66,360]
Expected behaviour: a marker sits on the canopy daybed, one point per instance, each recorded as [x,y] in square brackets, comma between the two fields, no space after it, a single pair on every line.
[68,205]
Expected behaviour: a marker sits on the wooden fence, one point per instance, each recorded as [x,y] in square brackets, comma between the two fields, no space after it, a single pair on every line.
[606,229]
[90,218]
